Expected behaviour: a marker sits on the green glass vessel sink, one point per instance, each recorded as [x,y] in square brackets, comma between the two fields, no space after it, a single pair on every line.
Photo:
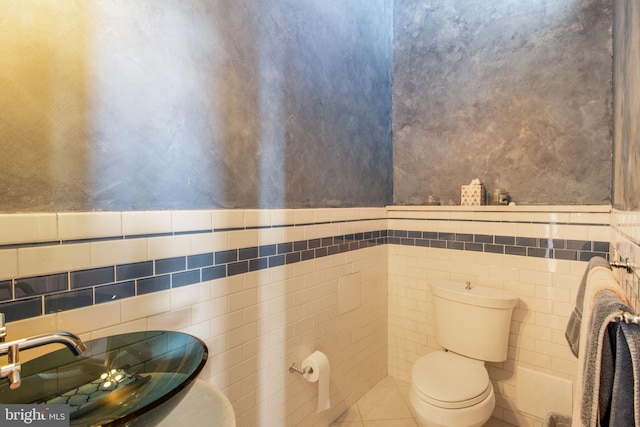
[129,379]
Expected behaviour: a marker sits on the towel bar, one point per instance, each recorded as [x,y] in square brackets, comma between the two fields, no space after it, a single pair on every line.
[627,317]
[626,264]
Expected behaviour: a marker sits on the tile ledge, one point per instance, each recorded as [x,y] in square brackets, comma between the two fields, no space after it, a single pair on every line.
[497,208]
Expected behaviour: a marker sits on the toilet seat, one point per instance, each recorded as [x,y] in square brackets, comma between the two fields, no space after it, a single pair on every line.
[450,381]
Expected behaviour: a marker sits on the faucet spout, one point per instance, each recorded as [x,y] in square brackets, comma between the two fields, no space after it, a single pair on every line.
[12,349]
[72,341]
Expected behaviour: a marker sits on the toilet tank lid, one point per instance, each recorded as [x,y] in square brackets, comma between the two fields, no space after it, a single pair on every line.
[477,295]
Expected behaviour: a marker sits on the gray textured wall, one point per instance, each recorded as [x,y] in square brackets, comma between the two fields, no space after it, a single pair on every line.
[287,103]
[627,105]
[182,104]
[515,93]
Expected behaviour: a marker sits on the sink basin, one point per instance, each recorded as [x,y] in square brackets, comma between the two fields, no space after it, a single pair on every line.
[129,379]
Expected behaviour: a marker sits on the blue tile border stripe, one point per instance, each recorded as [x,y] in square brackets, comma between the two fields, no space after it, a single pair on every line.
[566,249]
[28,297]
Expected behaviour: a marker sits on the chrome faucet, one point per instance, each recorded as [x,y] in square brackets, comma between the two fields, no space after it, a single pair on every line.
[11,371]
[3,328]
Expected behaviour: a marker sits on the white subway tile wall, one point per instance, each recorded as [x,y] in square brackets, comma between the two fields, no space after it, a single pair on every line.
[546,285]
[82,225]
[265,288]
[255,323]
[28,228]
[625,247]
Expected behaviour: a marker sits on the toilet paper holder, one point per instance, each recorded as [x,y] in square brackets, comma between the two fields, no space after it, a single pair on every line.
[306,370]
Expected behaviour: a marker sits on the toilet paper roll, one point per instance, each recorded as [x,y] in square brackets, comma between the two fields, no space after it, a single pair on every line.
[319,365]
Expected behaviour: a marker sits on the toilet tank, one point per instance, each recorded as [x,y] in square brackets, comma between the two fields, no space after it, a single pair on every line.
[473,322]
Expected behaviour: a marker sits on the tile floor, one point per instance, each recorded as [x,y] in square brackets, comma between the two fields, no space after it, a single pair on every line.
[386,405]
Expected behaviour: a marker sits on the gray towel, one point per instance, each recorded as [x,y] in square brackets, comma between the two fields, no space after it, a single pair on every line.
[632,335]
[607,308]
[572,333]
[619,411]
[607,371]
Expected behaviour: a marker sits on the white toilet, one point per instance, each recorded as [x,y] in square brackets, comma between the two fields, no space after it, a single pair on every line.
[452,388]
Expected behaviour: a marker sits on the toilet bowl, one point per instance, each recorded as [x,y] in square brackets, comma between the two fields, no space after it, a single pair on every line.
[449,390]
[452,388]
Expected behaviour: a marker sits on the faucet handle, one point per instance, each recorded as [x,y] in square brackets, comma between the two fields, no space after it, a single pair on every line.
[3,328]
[12,370]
